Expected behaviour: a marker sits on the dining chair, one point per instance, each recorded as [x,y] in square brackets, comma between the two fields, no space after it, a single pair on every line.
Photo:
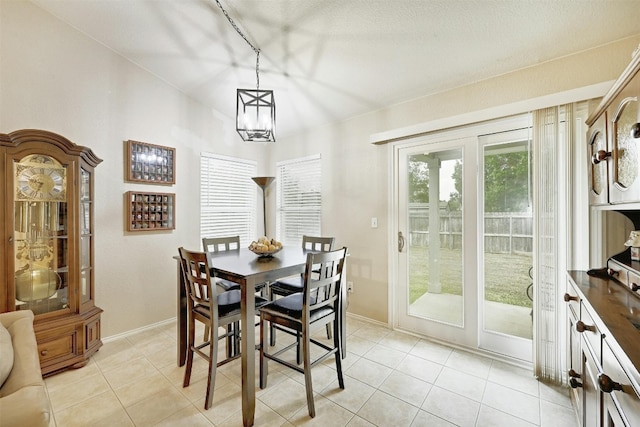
[317,305]
[213,245]
[222,244]
[291,285]
[212,309]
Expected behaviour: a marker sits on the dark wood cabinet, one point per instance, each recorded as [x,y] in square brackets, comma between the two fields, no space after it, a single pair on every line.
[47,243]
[604,351]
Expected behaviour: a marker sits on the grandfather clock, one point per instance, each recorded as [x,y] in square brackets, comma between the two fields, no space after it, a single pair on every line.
[47,243]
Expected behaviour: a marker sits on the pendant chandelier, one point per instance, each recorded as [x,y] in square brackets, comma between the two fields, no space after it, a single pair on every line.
[255,108]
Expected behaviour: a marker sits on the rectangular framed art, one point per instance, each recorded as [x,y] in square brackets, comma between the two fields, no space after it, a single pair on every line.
[150,211]
[149,163]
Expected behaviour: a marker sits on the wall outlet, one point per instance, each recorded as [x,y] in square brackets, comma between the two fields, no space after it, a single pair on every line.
[349,286]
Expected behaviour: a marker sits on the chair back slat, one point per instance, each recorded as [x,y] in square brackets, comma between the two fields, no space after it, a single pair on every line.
[197,279]
[322,279]
[319,244]
[221,244]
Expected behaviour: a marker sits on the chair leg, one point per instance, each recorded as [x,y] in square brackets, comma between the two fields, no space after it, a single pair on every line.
[337,344]
[272,329]
[264,369]
[298,348]
[329,330]
[213,364]
[189,363]
[306,351]
[231,340]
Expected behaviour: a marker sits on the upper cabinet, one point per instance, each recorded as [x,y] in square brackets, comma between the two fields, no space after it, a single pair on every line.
[47,243]
[614,141]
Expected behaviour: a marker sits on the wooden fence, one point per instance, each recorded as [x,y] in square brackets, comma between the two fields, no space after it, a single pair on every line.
[508,232]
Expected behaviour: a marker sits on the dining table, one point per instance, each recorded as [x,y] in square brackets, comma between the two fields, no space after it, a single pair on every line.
[248,270]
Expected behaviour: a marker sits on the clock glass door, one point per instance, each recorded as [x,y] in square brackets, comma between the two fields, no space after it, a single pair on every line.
[86,235]
[40,235]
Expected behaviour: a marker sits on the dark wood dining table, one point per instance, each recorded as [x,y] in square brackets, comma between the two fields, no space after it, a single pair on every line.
[248,270]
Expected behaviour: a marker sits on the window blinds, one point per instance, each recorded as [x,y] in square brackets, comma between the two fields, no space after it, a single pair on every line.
[299,200]
[552,135]
[227,197]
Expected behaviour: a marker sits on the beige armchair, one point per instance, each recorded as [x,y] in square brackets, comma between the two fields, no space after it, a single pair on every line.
[23,398]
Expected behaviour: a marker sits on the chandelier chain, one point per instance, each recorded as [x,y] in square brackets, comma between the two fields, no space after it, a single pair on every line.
[256,50]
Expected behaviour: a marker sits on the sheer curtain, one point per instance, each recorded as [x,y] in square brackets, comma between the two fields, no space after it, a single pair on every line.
[553,139]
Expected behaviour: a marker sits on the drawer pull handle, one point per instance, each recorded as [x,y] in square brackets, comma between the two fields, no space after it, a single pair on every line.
[608,385]
[568,298]
[44,352]
[581,327]
[635,287]
[612,272]
[574,374]
[574,383]
[600,156]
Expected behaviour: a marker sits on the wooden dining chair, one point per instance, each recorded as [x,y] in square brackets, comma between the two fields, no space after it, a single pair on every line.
[213,245]
[214,310]
[293,285]
[317,305]
[222,244]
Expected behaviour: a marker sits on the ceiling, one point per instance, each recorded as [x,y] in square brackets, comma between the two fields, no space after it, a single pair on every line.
[328,60]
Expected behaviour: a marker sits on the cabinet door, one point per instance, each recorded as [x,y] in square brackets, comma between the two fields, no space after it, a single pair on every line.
[617,388]
[591,397]
[599,157]
[86,288]
[624,144]
[42,257]
[575,362]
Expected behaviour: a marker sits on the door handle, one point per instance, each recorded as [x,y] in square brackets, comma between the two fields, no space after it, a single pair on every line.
[400,241]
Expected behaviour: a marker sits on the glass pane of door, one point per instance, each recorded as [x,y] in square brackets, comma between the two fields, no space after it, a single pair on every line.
[41,254]
[508,236]
[434,250]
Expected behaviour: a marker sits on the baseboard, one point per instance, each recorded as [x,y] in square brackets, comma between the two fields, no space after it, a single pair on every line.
[138,330]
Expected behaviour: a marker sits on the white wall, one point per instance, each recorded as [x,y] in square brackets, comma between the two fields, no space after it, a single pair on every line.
[357,174]
[54,78]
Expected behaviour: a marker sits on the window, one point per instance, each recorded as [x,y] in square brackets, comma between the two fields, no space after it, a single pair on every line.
[299,199]
[227,197]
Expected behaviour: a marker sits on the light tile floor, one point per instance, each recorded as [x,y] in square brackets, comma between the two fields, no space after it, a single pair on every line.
[392,379]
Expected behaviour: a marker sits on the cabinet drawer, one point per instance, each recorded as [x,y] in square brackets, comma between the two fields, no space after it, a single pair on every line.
[572,299]
[618,387]
[634,283]
[59,344]
[617,272]
[590,333]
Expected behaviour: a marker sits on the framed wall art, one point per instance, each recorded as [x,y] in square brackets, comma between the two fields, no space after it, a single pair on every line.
[149,163]
[150,211]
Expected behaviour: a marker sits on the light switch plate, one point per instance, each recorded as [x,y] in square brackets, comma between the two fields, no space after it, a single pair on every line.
[374,222]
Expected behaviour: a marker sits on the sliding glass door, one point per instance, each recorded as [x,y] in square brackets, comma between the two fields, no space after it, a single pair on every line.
[506,255]
[465,234]
[435,295]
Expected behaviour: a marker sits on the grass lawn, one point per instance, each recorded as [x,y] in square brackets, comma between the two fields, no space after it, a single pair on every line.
[506,275]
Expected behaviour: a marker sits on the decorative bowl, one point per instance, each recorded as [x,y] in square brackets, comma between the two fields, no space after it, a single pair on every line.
[264,253]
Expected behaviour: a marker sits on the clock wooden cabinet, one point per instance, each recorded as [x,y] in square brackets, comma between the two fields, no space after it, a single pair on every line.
[47,241]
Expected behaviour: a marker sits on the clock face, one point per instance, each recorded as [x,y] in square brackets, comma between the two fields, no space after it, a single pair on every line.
[40,182]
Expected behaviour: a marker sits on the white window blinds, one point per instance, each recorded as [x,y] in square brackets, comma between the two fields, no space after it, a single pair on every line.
[299,199]
[227,197]
[552,135]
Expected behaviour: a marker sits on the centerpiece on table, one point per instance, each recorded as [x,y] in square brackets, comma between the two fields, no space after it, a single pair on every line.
[265,247]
